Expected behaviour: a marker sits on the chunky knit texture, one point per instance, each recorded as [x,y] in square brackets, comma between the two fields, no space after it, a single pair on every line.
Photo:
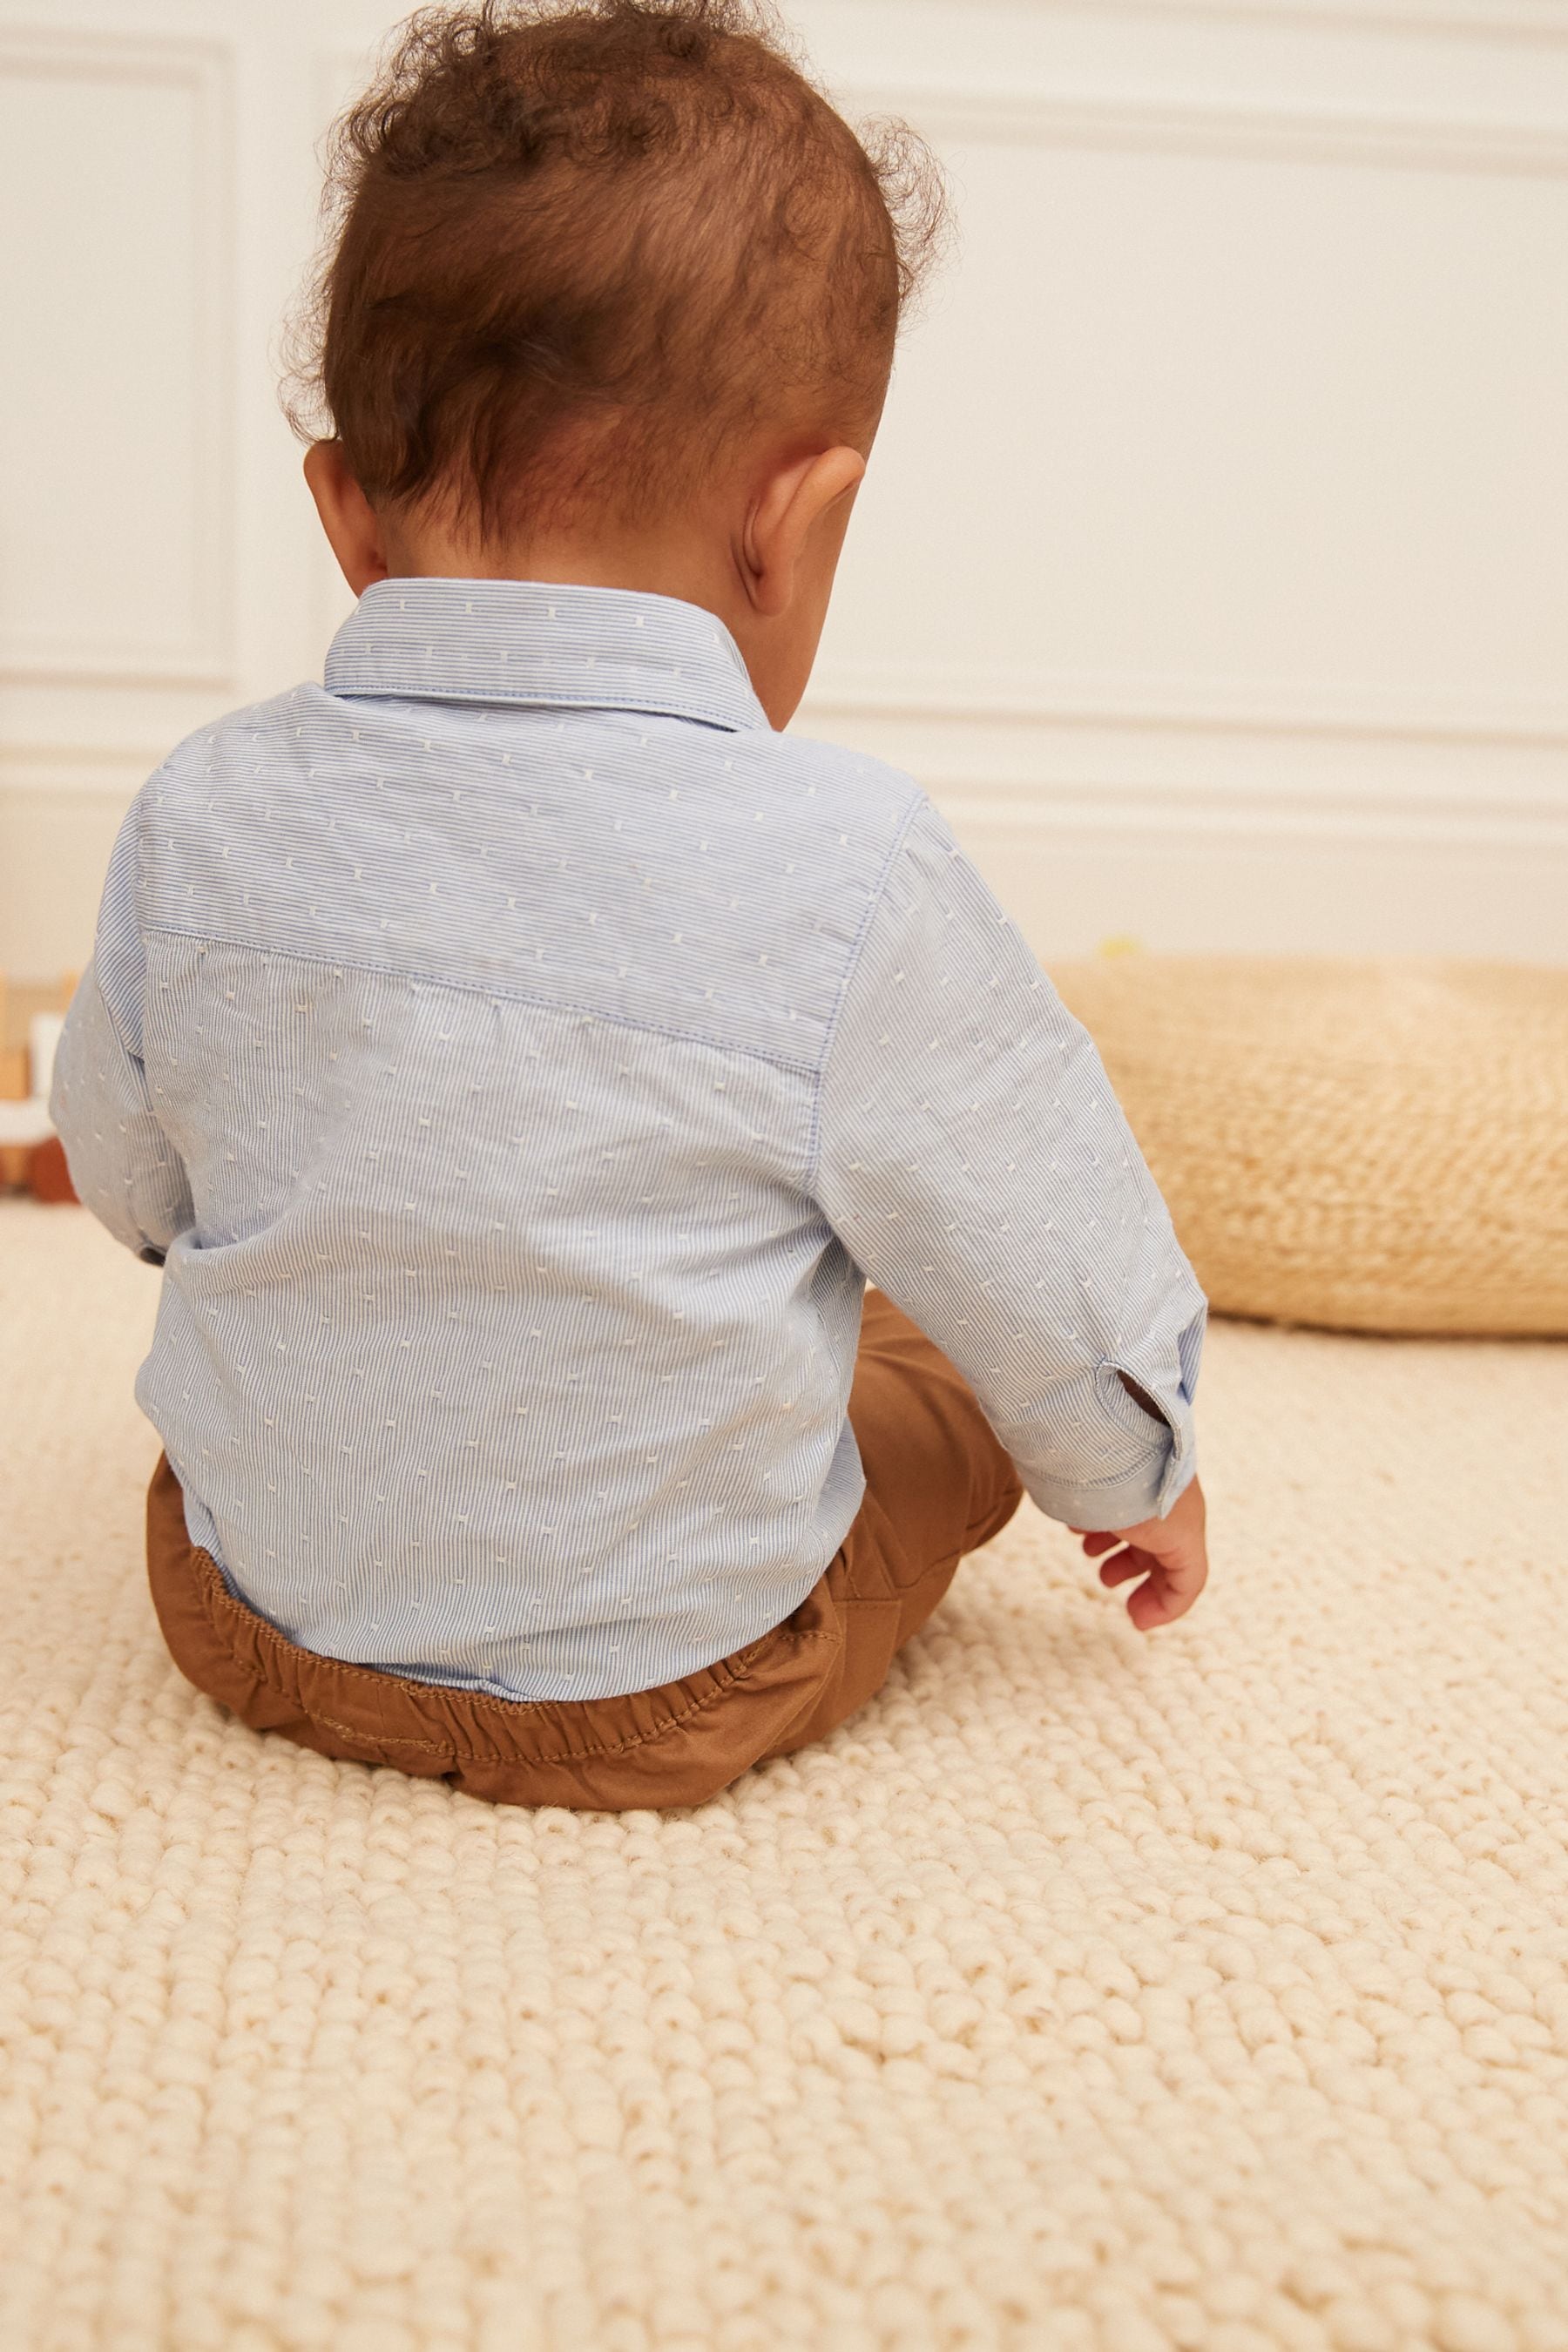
[1372,1145]
[1083,1992]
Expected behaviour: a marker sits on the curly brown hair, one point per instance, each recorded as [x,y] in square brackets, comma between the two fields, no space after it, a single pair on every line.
[576,249]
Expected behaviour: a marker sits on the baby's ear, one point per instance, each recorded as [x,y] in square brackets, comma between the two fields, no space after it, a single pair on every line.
[347,515]
[792,505]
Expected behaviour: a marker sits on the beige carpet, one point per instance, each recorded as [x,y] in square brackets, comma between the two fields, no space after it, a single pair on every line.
[1083,1992]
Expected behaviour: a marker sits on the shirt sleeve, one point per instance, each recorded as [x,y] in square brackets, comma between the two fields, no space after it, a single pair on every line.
[974,1161]
[121,1163]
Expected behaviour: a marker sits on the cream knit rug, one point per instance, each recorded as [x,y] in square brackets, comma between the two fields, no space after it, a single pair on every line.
[1209,1992]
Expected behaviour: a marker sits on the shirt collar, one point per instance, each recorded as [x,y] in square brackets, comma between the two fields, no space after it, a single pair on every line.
[529,641]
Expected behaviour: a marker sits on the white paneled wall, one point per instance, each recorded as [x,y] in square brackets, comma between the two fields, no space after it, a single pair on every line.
[1213,566]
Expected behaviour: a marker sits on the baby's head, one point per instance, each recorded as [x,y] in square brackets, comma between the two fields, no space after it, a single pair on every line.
[611,296]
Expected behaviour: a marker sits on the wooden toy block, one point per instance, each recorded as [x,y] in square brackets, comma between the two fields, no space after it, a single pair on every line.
[32,1158]
[19,1001]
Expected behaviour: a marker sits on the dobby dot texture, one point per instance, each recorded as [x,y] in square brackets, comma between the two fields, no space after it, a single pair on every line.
[1083,1993]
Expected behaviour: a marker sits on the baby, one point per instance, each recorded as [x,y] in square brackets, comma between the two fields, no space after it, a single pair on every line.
[518,1053]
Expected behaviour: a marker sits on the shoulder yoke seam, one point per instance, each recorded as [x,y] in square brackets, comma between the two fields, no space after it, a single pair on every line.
[798,1066]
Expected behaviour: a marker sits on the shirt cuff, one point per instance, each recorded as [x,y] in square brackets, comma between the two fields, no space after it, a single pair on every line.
[1154,1469]
[1113,1503]
[1133,1495]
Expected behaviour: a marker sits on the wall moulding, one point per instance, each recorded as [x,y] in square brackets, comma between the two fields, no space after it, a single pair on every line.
[1499,20]
[201,69]
[91,772]
[1327,134]
[1191,813]
[1237,706]
[1330,136]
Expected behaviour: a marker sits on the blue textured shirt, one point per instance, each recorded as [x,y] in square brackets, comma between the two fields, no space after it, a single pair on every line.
[523,1054]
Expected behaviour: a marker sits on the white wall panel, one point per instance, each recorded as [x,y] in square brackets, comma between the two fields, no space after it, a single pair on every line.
[115,409]
[1217,422]
[1240,429]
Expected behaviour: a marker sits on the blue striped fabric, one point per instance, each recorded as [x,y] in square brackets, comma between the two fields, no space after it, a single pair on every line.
[523,1056]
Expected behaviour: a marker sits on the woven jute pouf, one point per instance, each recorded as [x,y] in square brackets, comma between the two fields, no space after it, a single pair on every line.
[1378,1146]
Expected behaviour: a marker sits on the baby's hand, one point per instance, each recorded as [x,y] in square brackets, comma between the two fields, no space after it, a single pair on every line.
[1170,1554]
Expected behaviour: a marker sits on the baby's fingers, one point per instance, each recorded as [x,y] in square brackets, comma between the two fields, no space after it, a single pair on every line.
[1158,1601]
[1101,1540]
[1168,1590]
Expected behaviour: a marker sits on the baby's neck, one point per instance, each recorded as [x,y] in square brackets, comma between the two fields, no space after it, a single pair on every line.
[669,562]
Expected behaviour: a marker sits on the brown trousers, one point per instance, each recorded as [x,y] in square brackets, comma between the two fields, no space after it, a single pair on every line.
[937,1484]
